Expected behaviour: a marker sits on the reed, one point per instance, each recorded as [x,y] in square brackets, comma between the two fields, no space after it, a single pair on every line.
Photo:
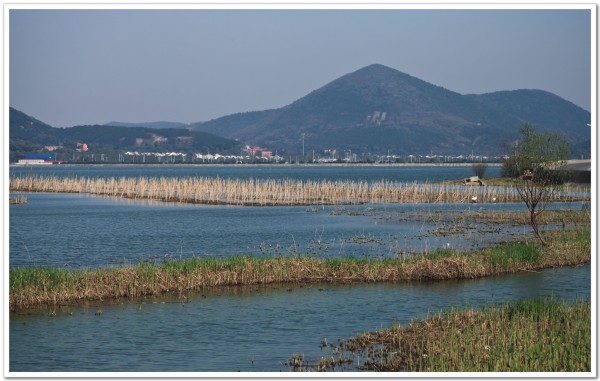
[18,200]
[35,286]
[528,336]
[263,192]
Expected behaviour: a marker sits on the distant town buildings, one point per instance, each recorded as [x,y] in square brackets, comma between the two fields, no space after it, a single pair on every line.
[52,148]
[82,147]
[38,160]
[252,154]
[257,151]
[248,154]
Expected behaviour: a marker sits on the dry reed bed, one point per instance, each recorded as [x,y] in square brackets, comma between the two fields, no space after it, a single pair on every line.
[30,287]
[264,192]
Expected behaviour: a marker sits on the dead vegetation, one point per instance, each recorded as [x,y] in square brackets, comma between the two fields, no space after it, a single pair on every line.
[269,192]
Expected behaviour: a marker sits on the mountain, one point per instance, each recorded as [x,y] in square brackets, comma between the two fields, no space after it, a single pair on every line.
[161,124]
[547,112]
[28,135]
[377,108]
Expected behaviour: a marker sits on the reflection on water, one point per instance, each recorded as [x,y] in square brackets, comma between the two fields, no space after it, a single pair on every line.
[252,329]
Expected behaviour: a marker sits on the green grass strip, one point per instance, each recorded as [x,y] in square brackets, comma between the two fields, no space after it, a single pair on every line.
[32,286]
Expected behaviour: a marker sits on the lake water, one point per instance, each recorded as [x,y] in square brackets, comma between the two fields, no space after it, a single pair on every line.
[250,329]
[79,230]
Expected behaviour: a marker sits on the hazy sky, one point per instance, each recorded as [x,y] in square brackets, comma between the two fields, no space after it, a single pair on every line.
[70,67]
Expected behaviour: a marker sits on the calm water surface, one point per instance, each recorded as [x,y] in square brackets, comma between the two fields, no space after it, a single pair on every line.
[79,230]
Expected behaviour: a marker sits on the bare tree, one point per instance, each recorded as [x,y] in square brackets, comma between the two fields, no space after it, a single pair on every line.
[479,169]
[535,156]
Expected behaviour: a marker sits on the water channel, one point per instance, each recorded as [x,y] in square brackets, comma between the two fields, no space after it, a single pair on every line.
[251,329]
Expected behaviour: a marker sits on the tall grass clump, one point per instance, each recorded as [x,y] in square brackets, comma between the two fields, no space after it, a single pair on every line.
[542,335]
[263,192]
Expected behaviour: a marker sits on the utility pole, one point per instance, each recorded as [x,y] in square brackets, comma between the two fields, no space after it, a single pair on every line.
[303,134]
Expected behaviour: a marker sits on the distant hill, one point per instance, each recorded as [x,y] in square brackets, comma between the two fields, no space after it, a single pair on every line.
[29,135]
[377,108]
[149,124]
[547,112]
[372,110]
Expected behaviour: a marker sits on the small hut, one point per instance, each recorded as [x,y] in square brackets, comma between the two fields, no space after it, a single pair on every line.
[473,180]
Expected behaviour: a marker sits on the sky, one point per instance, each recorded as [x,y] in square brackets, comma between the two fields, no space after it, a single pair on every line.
[93,66]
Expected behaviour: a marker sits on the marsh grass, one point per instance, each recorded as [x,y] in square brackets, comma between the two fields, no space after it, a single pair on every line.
[573,217]
[507,255]
[36,286]
[542,335]
[264,192]
[440,254]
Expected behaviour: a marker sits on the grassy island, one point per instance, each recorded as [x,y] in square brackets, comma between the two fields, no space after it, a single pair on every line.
[37,286]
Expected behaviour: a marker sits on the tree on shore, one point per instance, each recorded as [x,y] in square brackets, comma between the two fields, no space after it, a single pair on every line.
[479,169]
[534,156]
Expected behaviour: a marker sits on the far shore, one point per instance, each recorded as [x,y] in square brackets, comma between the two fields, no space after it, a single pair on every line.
[267,165]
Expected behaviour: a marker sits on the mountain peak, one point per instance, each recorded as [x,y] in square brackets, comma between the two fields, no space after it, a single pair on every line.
[377,68]
[377,108]
[374,71]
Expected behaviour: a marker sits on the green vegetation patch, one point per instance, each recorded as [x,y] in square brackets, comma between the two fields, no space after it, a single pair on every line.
[527,336]
[48,278]
[514,253]
[440,253]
